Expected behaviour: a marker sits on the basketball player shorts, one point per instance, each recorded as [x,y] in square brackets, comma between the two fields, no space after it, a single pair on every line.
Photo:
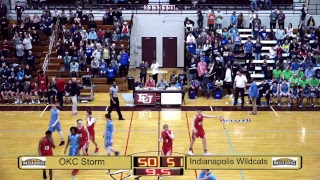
[199,134]
[167,149]
[73,151]
[92,135]
[107,142]
[43,88]
[57,127]
[83,144]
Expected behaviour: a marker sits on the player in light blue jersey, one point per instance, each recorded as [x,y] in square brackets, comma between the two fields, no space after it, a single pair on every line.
[206,175]
[108,136]
[74,142]
[284,92]
[54,124]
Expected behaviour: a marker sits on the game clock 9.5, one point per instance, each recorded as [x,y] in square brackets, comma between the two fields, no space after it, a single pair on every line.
[157,172]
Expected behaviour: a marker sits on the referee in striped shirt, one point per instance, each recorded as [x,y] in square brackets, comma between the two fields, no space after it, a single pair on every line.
[114,100]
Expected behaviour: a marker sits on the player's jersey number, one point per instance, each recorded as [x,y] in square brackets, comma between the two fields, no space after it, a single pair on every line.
[46,148]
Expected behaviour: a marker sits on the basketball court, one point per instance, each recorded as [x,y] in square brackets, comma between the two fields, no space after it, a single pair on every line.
[278,132]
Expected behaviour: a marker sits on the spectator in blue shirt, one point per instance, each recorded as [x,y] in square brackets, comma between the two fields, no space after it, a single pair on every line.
[264,34]
[93,35]
[124,64]
[67,60]
[295,65]
[47,27]
[20,74]
[103,68]
[248,49]
[234,31]
[224,41]
[306,64]
[233,19]
[199,51]
[88,52]
[111,74]
[309,73]
[73,28]
[206,175]
[191,47]
[181,85]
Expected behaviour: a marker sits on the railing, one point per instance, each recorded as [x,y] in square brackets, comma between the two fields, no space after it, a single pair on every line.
[162,8]
[52,41]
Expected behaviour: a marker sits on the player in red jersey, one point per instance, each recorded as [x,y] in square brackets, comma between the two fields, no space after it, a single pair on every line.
[43,85]
[166,137]
[198,131]
[45,147]
[91,121]
[84,137]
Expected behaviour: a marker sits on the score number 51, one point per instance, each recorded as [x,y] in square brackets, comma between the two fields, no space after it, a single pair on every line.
[171,161]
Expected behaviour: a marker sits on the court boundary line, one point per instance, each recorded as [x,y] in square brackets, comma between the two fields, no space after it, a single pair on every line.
[274,111]
[230,143]
[187,119]
[44,110]
[128,138]
[159,154]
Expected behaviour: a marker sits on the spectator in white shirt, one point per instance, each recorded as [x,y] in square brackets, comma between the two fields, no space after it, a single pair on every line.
[27,43]
[272,53]
[280,35]
[190,37]
[74,68]
[219,85]
[252,16]
[219,17]
[189,27]
[289,30]
[240,84]
[228,81]
[155,70]
[97,54]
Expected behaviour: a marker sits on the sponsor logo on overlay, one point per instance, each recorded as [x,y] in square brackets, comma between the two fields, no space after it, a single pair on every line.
[33,162]
[284,162]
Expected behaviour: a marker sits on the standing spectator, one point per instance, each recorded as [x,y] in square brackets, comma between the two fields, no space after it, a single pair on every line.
[192,68]
[240,20]
[114,100]
[237,44]
[281,18]
[256,27]
[74,69]
[200,19]
[257,49]
[264,34]
[233,19]
[4,27]
[103,68]
[253,95]
[211,19]
[219,18]
[124,64]
[36,37]
[60,88]
[201,68]
[3,9]
[20,52]
[301,29]
[67,60]
[280,35]
[268,4]
[31,60]
[143,71]
[228,81]
[311,24]
[155,70]
[111,74]
[73,88]
[263,89]
[273,19]
[252,16]
[240,84]
[125,32]
[27,42]
[303,13]
[254,5]
[19,10]
[289,30]
[52,91]
[95,65]
[248,49]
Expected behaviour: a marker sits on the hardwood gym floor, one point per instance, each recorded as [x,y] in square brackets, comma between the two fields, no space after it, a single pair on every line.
[291,133]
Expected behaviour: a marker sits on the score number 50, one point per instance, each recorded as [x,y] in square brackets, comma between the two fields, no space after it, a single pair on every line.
[152,161]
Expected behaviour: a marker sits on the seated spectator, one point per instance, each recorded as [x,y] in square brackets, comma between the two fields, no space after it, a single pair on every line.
[111,74]
[67,60]
[20,74]
[115,36]
[173,78]
[27,73]
[74,69]
[103,68]
[284,91]
[92,36]
[150,83]
[182,77]
[194,86]
[309,73]
[181,85]
[100,35]
[162,83]
[307,94]
[95,65]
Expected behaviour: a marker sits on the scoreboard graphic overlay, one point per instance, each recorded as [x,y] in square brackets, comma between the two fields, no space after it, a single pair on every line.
[160,165]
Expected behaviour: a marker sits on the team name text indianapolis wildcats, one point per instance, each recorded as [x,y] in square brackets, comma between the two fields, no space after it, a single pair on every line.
[227,161]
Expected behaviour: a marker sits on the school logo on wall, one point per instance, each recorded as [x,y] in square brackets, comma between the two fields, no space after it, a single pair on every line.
[145,98]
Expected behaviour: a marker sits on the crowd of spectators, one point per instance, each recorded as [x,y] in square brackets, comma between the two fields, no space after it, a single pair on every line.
[82,45]
[211,51]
